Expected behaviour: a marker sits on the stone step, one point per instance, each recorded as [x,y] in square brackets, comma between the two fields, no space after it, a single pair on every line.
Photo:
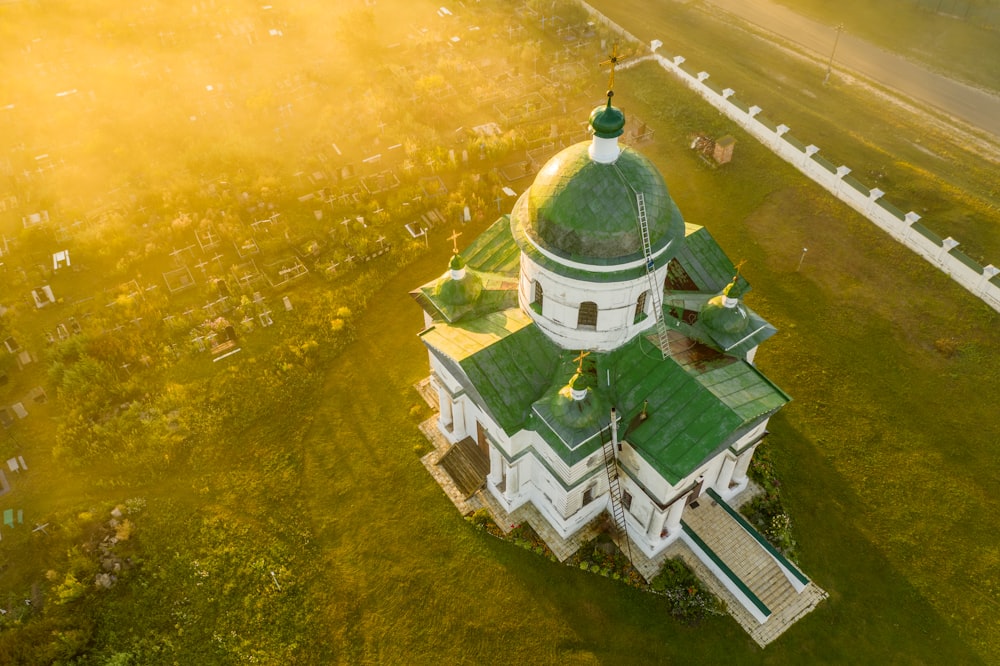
[741,553]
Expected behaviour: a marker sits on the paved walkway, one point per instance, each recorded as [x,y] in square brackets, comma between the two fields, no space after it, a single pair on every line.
[752,564]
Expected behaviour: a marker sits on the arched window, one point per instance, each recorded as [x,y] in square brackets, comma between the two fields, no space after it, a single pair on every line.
[538,297]
[640,308]
[587,317]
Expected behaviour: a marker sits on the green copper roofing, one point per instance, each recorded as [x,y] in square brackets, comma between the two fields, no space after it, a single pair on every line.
[474,295]
[583,274]
[464,291]
[587,211]
[705,262]
[575,421]
[692,410]
[736,343]
[720,319]
[608,122]
[504,358]
[494,250]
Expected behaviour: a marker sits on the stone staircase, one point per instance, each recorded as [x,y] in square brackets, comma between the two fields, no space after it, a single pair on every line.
[748,559]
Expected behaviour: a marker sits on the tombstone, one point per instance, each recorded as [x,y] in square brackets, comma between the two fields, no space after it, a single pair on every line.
[19,410]
[230,333]
[288,303]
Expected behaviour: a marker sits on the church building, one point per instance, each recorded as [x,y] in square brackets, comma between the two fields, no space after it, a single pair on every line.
[597,350]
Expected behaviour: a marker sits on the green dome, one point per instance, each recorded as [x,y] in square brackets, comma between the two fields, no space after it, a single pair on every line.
[579,414]
[456,263]
[584,210]
[717,317]
[608,122]
[460,292]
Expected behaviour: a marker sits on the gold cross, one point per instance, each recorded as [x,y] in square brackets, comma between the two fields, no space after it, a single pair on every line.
[739,267]
[613,60]
[454,239]
[579,360]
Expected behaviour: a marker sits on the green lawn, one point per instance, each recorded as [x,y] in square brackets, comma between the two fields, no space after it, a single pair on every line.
[300,457]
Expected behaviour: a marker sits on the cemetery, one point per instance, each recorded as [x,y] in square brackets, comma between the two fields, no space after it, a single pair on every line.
[208,353]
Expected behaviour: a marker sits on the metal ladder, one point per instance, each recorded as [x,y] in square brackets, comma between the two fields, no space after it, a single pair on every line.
[661,327]
[615,491]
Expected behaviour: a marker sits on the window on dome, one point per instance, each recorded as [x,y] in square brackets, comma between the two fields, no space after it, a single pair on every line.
[587,317]
[536,302]
[627,500]
[640,308]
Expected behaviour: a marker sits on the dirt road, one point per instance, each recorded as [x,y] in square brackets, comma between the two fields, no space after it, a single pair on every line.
[976,107]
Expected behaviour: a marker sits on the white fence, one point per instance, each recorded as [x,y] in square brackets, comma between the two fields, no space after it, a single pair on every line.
[983,281]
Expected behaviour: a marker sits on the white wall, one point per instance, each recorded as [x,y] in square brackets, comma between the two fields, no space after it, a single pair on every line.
[939,253]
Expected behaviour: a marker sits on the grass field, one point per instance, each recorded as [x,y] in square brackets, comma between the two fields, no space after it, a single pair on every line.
[294,523]
[945,36]
[885,146]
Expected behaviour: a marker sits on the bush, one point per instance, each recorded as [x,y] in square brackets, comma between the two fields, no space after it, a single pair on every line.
[687,598]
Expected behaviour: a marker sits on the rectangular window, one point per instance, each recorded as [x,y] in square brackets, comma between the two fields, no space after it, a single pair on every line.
[626,500]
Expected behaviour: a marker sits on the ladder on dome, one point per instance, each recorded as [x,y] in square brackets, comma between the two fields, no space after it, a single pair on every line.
[662,335]
[615,491]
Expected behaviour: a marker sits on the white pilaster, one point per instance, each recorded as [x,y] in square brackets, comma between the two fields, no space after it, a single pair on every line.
[458,430]
[725,476]
[496,466]
[674,513]
[444,408]
[742,464]
[656,522]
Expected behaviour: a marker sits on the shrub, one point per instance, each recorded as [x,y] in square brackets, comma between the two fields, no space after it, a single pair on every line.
[687,598]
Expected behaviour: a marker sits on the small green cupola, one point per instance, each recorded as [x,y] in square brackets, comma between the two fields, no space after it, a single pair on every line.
[578,405]
[608,121]
[458,286]
[725,313]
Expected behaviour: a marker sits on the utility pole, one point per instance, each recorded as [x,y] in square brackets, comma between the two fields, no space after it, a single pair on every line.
[829,64]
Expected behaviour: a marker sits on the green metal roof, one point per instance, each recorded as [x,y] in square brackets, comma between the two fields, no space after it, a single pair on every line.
[582,274]
[694,408]
[706,263]
[476,294]
[583,210]
[494,250]
[506,360]
[699,401]
[736,343]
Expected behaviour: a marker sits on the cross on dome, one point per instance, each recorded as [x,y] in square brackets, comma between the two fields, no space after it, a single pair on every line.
[579,360]
[454,239]
[612,62]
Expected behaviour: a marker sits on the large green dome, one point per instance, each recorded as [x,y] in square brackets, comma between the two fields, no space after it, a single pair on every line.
[587,211]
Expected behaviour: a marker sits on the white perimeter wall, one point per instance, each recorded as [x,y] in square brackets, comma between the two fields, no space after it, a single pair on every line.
[940,252]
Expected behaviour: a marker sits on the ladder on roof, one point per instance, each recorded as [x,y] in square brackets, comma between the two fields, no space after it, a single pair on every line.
[647,252]
[615,491]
